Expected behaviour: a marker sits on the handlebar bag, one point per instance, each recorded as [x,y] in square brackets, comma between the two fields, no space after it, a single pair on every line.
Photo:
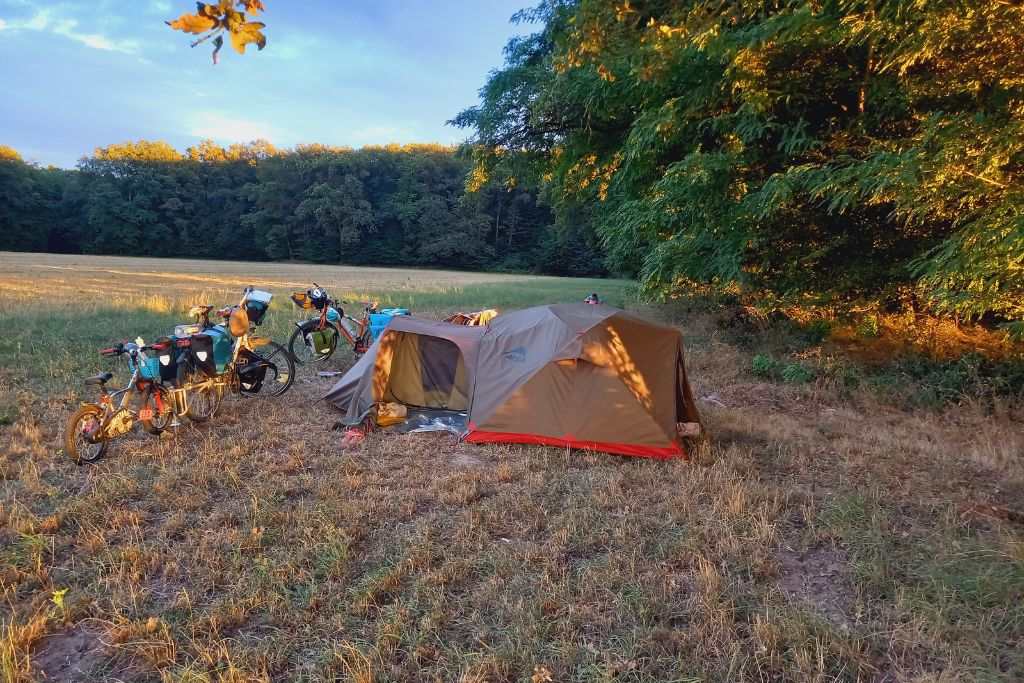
[257,302]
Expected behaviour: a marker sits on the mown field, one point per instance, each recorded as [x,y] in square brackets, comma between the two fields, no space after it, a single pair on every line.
[828,531]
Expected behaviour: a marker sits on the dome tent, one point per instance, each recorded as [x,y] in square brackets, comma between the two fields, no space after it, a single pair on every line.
[576,375]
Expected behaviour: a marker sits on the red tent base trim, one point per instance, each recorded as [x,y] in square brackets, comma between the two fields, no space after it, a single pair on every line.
[659,452]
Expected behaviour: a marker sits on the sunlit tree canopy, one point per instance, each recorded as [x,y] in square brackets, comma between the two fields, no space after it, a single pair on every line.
[834,147]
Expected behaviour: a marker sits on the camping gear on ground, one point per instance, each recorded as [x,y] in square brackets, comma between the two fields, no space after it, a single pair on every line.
[483,317]
[584,376]
[428,420]
[390,414]
[93,426]
[316,339]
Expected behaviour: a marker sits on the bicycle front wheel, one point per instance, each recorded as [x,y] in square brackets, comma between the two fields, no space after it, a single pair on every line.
[301,346]
[161,409]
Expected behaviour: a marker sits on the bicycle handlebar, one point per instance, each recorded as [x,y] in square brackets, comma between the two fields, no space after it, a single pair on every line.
[121,348]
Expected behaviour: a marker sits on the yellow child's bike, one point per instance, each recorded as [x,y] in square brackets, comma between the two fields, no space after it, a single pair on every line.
[144,399]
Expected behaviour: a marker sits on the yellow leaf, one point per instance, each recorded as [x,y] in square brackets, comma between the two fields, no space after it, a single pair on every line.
[192,23]
[211,11]
[253,6]
[248,33]
[233,20]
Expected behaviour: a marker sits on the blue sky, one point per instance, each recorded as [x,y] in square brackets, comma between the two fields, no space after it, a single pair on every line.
[87,73]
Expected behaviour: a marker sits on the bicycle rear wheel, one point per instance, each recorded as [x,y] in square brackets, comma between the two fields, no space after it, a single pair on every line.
[203,397]
[84,423]
[281,374]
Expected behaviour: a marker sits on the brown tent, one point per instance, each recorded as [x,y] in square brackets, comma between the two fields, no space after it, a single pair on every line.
[576,375]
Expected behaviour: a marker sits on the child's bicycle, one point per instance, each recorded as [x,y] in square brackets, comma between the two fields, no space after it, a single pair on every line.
[316,339]
[94,425]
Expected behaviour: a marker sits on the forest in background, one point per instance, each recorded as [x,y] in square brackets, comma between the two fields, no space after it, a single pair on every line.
[852,153]
[391,205]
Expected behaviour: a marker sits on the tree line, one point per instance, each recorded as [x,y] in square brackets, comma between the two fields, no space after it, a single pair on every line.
[831,150]
[391,205]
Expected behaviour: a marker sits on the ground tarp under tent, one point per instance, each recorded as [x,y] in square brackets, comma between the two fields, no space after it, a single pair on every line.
[577,375]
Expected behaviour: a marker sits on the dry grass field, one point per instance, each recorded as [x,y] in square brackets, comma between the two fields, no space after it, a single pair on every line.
[824,534]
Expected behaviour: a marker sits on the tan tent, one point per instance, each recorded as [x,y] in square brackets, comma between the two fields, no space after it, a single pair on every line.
[575,375]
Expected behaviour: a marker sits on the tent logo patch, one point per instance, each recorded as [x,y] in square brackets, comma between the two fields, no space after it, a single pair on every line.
[516,355]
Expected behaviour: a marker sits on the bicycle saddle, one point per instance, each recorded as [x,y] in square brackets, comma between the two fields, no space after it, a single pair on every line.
[101,378]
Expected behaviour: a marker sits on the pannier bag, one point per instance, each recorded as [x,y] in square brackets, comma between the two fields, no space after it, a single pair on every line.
[321,340]
[257,302]
[202,354]
[212,350]
[380,319]
[167,356]
[251,371]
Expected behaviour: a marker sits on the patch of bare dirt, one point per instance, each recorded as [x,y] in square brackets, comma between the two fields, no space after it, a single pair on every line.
[68,657]
[819,578]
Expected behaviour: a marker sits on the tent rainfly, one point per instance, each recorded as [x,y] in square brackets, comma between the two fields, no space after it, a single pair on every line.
[574,375]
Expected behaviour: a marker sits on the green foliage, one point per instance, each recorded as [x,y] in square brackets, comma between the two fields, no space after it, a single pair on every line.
[395,205]
[793,147]
[795,373]
[938,383]
[764,365]
[867,327]
[767,367]
[816,331]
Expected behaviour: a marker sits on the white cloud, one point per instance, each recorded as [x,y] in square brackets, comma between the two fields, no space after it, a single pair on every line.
[97,41]
[159,6]
[224,128]
[41,21]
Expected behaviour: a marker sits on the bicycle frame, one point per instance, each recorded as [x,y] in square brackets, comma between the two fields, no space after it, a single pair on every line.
[108,398]
[248,341]
[362,324]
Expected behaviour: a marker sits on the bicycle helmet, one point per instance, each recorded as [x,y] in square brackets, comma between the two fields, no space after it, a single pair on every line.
[318,295]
